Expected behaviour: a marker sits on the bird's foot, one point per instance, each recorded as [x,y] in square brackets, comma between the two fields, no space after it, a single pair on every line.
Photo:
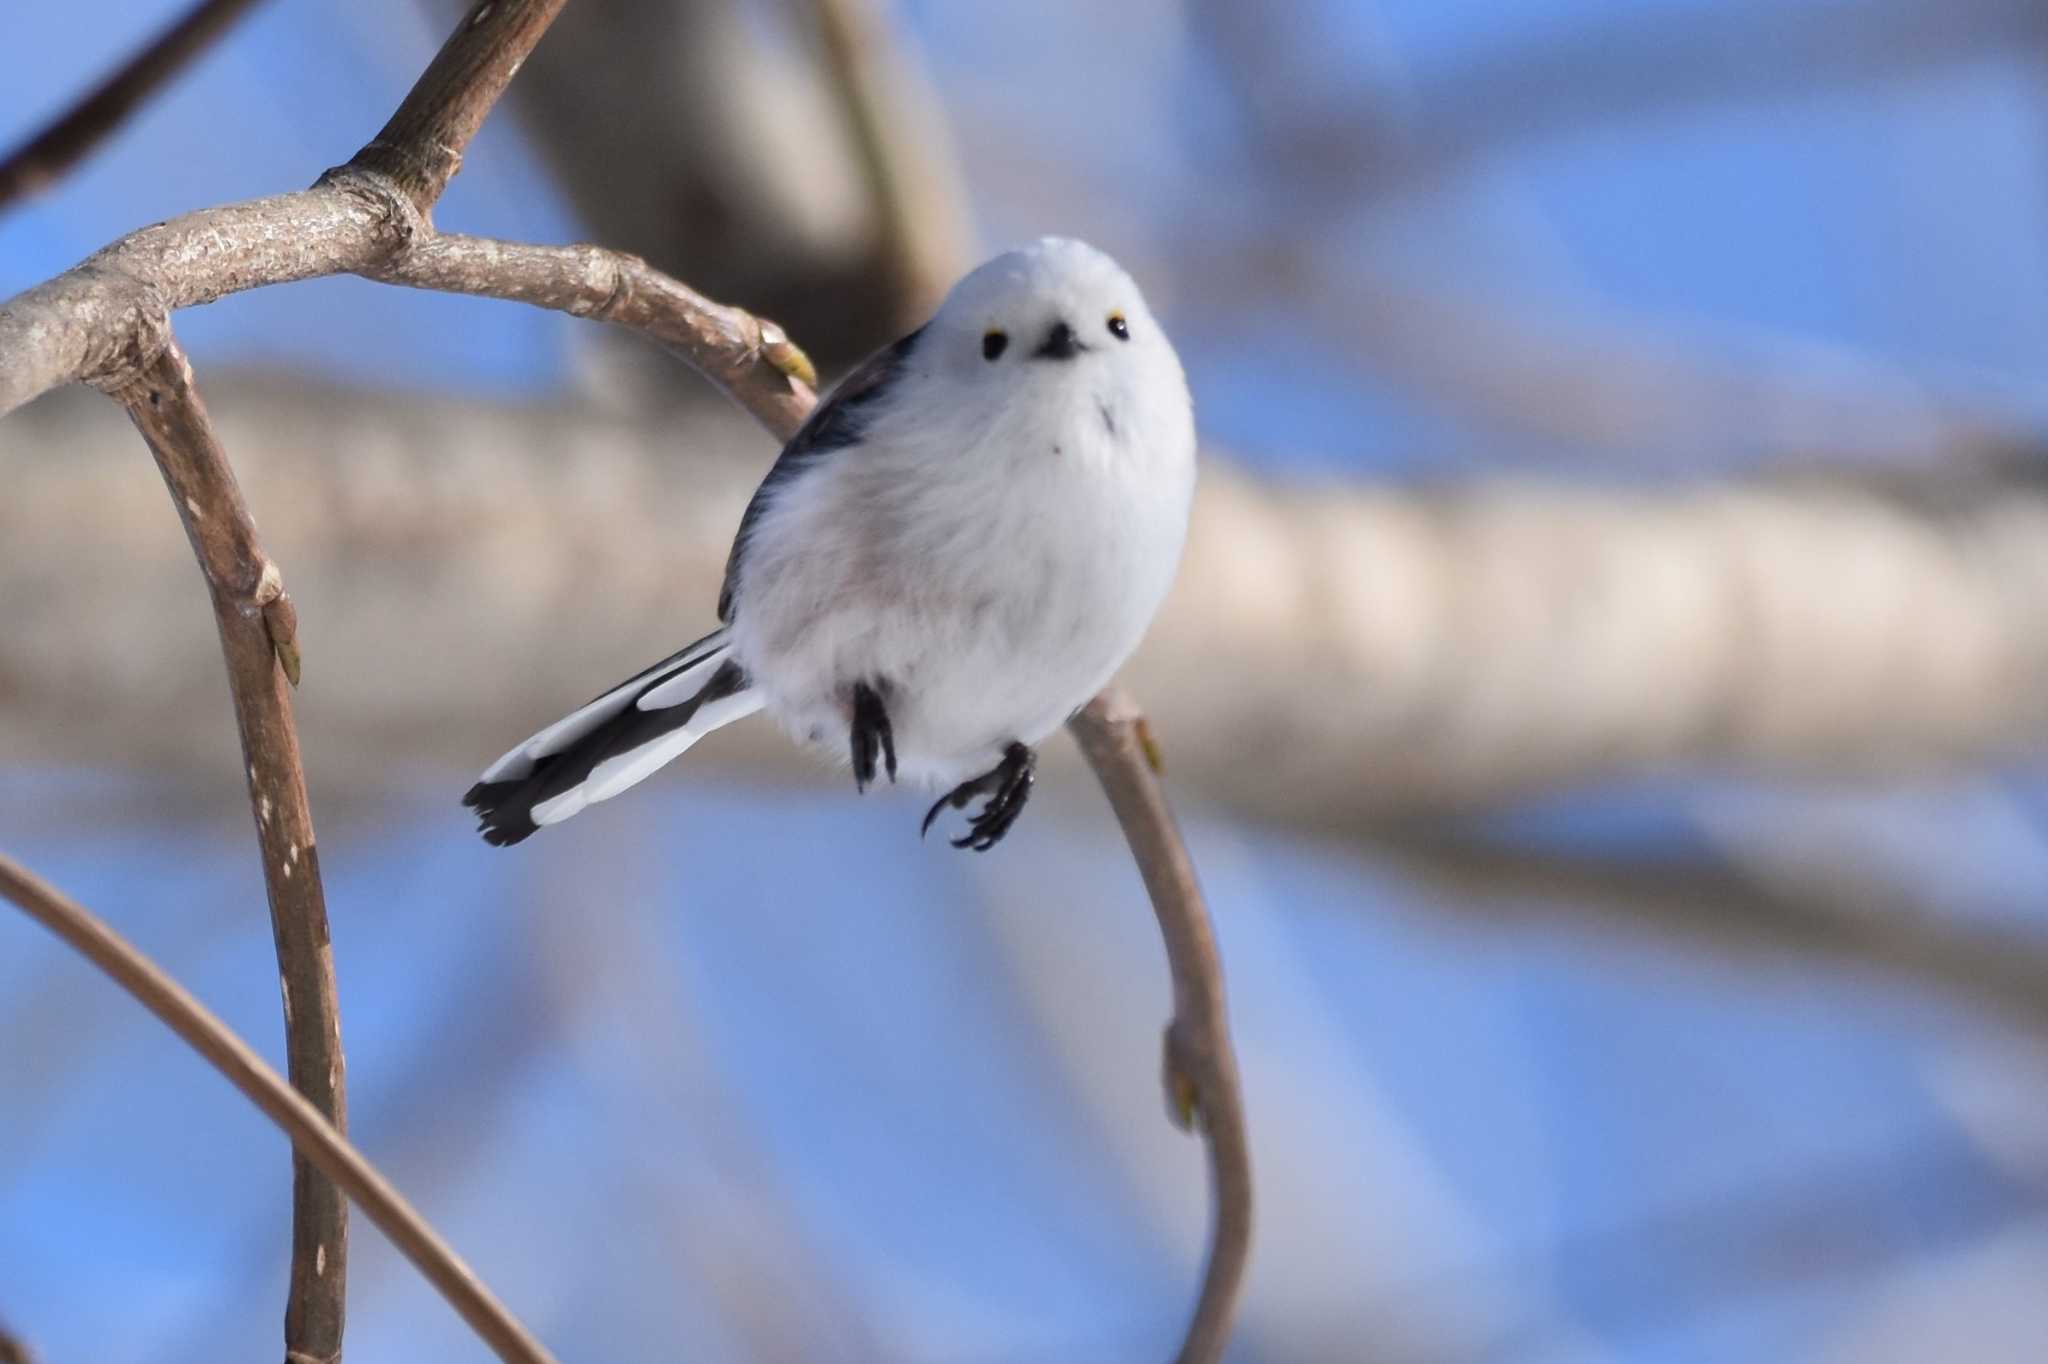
[872,736]
[1007,786]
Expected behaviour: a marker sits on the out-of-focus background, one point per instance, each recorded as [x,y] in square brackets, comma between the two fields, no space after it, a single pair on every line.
[1601,697]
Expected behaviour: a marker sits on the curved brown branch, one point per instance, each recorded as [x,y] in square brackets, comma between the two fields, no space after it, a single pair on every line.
[258,636]
[315,1139]
[748,358]
[39,161]
[1200,1066]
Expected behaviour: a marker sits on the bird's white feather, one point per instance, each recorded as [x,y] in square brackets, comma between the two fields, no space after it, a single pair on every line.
[615,774]
[997,542]
[686,675]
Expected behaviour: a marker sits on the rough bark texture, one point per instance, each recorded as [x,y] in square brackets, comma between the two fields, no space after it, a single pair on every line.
[420,149]
[102,320]
[257,625]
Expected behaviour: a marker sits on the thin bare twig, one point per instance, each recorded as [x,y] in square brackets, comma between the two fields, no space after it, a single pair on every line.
[726,345]
[101,319]
[258,636]
[316,1139]
[40,161]
[1200,1065]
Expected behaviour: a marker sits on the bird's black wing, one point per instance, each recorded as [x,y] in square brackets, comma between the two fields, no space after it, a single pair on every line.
[838,421]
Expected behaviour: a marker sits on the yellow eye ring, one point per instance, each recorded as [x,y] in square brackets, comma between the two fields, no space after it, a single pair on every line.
[1119,328]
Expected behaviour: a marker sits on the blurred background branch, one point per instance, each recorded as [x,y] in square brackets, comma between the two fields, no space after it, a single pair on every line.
[1715,911]
[1380,651]
[900,138]
[1615,67]
[46,156]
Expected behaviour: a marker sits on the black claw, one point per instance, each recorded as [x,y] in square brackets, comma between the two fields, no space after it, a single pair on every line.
[1007,785]
[871,734]
[941,803]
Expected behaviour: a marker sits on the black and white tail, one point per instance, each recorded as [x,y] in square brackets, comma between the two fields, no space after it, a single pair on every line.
[616,741]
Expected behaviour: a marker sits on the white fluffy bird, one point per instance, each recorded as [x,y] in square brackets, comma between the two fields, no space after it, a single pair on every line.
[960,547]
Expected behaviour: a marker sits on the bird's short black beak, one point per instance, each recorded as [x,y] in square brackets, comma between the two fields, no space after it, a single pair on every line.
[1060,344]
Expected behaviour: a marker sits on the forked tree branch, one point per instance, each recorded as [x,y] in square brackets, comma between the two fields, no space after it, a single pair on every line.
[314,1138]
[113,329]
[421,148]
[48,154]
[107,322]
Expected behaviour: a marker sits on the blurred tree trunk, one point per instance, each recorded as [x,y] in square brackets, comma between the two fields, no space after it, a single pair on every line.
[1329,658]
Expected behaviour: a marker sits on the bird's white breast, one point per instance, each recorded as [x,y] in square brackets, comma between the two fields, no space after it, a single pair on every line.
[993,565]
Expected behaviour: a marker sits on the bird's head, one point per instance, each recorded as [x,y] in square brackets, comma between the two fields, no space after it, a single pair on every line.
[1055,312]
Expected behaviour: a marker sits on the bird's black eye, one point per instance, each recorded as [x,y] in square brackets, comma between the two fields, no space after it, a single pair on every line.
[993,344]
[1119,328]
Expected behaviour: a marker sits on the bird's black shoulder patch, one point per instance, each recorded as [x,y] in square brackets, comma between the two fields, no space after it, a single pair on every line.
[840,420]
